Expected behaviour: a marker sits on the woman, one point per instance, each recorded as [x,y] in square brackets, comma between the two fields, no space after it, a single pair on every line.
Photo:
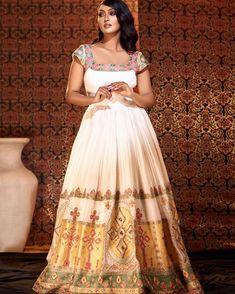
[117,229]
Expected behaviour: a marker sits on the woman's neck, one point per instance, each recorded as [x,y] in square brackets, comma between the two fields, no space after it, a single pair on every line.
[112,42]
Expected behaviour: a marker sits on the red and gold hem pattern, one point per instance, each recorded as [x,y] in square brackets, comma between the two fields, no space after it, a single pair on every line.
[120,252]
[123,241]
[61,280]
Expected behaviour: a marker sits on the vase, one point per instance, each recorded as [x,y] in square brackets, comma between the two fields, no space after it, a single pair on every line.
[18,190]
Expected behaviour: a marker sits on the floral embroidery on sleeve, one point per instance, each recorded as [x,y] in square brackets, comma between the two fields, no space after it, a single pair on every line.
[80,53]
[141,61]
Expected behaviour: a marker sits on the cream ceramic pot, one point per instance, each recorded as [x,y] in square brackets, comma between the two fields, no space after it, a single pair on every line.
[18,189]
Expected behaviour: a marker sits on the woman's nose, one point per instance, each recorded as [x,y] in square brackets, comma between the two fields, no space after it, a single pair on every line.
[106,17]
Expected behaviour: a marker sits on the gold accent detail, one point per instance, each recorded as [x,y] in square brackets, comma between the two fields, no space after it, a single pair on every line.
[121,234]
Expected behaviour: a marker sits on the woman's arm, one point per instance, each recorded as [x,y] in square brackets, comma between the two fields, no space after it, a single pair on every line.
[143,97]
[75,81]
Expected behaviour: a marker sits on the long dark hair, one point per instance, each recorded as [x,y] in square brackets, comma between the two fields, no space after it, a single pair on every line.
[128,34]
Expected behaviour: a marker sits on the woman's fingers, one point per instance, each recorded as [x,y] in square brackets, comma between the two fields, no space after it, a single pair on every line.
[104,92]
[118,86]
[121,88]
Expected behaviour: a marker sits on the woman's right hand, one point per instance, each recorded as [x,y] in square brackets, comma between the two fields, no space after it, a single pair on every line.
[101,94]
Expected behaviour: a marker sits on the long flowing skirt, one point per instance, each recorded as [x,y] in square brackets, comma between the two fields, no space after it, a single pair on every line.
[117,229]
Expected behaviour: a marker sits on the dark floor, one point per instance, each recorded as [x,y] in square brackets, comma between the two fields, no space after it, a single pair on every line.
[215,269]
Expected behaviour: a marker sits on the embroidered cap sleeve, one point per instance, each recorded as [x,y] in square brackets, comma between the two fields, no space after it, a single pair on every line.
[141,61]
[80,53]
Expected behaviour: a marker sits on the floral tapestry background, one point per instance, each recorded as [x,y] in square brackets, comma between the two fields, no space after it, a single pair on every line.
[191,48]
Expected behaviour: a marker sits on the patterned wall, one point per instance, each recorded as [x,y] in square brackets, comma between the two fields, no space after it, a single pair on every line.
[192,50]
[190,46]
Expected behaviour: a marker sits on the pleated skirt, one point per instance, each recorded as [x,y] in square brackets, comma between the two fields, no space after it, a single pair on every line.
[117,229]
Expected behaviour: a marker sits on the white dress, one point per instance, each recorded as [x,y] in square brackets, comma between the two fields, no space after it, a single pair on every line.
[117,229]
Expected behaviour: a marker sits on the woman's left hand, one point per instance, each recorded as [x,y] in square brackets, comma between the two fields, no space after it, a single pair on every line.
[121,88]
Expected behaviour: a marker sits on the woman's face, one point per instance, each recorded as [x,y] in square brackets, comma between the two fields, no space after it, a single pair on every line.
[107,20]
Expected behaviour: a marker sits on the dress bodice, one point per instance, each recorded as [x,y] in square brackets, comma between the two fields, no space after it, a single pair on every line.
[93,79]
[98,75]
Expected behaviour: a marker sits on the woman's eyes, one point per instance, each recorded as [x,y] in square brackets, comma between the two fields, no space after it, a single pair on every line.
[111,13]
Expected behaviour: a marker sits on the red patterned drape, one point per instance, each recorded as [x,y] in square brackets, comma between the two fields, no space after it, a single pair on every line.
[190,45]
[192,50]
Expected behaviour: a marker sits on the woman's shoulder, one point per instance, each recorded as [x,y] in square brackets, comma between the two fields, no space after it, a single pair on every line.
[139,55]
[82,48]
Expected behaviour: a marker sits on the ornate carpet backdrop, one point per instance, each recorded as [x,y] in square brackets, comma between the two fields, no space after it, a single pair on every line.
[191,47]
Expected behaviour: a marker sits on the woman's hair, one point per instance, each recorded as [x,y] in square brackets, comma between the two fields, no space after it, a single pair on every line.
[128,34]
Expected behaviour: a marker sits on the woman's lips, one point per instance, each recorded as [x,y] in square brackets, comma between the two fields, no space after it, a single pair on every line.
[107,25]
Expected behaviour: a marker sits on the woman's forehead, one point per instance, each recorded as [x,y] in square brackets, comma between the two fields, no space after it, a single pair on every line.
[104,7]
